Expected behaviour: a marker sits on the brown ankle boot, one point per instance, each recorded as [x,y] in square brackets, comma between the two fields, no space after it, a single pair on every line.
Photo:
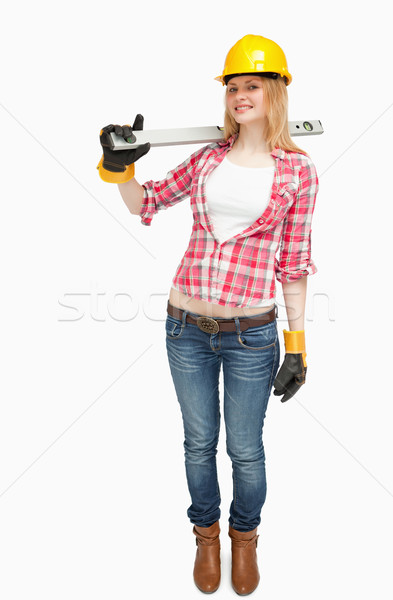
[245,573]
[207,568]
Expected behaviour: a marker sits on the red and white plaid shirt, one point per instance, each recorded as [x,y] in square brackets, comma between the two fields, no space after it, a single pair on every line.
[242,270]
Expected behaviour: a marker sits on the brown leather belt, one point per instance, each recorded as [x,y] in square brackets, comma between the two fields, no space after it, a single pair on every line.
[210,325]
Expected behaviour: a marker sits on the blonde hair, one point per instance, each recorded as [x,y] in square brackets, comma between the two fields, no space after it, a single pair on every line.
[275,98]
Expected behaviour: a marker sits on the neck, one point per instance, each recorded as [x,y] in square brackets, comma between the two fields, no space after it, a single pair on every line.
[251,139]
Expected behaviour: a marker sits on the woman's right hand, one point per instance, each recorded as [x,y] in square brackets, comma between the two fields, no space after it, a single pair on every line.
[118,166]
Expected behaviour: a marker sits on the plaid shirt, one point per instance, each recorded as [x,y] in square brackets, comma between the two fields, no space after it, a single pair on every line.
[242,270]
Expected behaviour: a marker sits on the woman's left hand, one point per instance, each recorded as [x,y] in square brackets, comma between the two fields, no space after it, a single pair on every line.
[292,373]
[290,377]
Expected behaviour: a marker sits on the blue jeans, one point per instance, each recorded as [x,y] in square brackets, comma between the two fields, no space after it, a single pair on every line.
[250,361]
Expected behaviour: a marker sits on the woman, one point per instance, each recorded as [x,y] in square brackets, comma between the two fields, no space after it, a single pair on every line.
[252,195]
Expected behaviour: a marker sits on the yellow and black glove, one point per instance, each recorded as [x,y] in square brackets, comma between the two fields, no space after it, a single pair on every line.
[118,166]
[292,373]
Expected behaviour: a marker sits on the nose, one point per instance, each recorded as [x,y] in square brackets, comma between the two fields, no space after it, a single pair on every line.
[241,96]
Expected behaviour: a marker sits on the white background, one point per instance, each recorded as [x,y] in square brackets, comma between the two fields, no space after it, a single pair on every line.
[93,495]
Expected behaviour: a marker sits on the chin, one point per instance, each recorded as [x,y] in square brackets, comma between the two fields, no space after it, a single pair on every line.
[240,118]
[245,121]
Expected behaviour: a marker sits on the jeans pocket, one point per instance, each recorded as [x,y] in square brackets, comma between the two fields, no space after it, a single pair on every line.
[259,338]
[174,327]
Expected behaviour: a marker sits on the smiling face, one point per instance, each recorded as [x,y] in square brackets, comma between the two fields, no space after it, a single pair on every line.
[244,99]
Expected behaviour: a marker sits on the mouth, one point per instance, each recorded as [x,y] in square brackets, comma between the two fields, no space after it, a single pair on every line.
[243,108]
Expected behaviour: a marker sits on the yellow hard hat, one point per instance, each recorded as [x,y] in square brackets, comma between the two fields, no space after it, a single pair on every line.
[255,54]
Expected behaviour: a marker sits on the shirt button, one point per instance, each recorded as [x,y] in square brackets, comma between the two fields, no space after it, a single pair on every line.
[260,221]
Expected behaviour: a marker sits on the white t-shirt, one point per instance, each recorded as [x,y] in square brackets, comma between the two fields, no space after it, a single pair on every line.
[236,196]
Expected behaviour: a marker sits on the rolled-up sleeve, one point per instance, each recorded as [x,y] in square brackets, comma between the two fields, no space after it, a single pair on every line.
[295,259]
[175,187]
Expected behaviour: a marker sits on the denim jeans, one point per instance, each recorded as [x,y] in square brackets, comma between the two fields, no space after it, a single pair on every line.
[250,361]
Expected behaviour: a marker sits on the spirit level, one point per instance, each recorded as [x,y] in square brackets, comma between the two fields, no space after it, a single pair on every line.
[198,135]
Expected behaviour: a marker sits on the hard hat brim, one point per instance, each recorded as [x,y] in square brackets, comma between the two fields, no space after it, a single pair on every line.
[270,75]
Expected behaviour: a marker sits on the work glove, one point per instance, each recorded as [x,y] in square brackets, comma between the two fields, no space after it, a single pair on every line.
[118,166]
[292,373]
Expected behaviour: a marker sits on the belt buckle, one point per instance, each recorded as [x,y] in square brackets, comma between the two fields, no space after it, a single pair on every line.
[208,325]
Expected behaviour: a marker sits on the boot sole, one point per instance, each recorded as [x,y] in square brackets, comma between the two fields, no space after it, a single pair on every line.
[204,592]
[247,594]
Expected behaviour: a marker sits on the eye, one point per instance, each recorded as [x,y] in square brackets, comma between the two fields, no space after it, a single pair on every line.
[232,89]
